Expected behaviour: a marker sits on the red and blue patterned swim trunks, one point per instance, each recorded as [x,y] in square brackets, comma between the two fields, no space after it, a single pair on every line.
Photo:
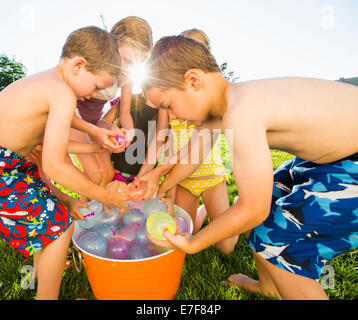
[30,216]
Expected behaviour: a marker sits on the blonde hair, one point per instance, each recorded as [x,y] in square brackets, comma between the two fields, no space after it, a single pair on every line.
[172,57]
[197,35]
[133,31]
[96,46]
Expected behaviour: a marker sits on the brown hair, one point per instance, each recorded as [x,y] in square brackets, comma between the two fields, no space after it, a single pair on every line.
[96,46]
[133,31]
[197,35]
[172,57]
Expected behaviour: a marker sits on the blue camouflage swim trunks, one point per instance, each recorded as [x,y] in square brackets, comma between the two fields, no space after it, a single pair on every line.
[313,217]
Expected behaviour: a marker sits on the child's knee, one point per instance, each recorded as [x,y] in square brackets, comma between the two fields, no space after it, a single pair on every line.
[225,247]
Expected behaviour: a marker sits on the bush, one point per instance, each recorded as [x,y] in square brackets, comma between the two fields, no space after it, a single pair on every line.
[10,71]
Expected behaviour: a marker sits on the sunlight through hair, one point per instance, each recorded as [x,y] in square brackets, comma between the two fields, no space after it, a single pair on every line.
[137,74]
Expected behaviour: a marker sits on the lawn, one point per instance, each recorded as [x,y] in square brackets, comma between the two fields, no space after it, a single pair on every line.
[202,272]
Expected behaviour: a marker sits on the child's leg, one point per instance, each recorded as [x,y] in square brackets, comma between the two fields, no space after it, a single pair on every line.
[200,217]
[106,167]
[88,162]
[50,266]
[276,282]
[187,201]
[216,201]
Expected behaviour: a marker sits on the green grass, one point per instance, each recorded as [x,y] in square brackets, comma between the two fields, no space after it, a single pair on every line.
[202,272]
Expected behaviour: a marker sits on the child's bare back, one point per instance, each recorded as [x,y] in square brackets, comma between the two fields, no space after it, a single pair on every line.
[24,115]
[316,120]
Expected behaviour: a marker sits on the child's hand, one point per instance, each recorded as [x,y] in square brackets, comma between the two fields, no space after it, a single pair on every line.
[73,205]
[169,199]
[152,179]
[106,138]
[181,242]
[123,144]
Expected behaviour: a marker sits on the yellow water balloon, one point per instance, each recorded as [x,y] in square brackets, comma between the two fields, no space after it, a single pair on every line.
[157,222]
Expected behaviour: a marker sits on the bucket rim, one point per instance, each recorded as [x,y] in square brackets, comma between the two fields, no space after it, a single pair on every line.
[180,212]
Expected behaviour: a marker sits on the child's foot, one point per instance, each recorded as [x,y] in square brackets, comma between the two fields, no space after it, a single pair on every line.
[243,281]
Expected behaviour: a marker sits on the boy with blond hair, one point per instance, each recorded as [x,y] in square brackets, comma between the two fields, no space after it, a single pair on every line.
[304,214]
[39,109]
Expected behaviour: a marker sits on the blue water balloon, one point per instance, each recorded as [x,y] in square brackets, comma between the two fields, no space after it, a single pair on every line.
[153,205]
[94,243]
[133,215]
[92,215]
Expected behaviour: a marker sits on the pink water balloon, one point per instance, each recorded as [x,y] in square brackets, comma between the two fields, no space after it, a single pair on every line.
[137,190]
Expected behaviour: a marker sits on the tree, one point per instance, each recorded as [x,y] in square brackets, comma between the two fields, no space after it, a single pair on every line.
[10,71]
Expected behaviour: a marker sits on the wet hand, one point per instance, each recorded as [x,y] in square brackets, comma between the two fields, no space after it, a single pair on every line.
[179,241]
[73,206]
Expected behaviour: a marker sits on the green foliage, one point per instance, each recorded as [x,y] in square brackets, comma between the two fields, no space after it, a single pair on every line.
[10,71]
[228,75]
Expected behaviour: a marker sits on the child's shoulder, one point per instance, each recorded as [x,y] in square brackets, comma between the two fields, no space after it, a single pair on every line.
[42,83]
[53,86]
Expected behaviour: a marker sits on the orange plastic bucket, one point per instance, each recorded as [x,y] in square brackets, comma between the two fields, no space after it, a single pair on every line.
[154,278]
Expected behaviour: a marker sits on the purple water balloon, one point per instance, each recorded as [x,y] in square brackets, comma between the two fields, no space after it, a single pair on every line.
[113,217]
[129,232]
[134,215]
[182,224]
[117,248]
[93,242]
[139,251]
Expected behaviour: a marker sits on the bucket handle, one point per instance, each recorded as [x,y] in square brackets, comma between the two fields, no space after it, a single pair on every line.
[78,265]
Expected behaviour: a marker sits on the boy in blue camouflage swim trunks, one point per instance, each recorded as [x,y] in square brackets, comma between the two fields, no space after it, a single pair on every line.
[305,213]
[314,216]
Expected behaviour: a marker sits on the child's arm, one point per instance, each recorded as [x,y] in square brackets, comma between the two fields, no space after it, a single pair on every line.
[79,148]
[125,116]
[156,144]
[147,172]
[253,174]
[62,104]
[201,143]
[181,172]
[107,121]
[98,134]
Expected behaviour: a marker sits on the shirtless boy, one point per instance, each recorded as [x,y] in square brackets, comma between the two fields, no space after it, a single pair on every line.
[40,109]
[305,213]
